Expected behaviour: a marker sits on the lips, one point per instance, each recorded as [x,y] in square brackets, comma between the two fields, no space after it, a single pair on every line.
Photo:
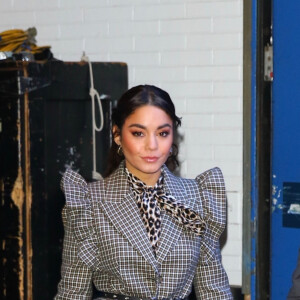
[150,159]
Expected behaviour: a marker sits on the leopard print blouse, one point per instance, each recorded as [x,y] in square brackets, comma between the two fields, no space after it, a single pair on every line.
[151,200]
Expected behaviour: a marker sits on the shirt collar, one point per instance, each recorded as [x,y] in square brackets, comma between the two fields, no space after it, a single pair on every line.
[135,182]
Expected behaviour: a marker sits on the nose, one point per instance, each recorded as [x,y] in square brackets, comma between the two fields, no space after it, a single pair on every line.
[152,142]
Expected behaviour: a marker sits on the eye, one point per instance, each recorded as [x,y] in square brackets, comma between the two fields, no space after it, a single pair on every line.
[137,133]
[164,133]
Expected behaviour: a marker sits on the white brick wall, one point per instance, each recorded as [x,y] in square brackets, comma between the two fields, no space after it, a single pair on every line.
[191,48]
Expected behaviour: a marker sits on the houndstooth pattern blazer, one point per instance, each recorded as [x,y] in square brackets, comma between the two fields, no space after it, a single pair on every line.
[106,243]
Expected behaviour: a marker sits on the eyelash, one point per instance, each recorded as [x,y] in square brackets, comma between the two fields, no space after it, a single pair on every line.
[140,134]
[164,133]
[137,133]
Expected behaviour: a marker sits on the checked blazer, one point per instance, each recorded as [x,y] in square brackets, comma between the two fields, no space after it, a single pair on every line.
[106,243]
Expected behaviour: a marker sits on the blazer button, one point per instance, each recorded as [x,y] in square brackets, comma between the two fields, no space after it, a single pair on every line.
[159,279]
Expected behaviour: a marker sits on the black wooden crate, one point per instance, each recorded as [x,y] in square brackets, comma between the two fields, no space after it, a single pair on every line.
[45,126]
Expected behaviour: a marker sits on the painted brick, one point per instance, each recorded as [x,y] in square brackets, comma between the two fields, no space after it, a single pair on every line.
[228,121]
[230,168]
[231,89]
[234,183]
[234,233]
[202,73]
[205,152]
[180,104]
[70,56]
[137,80]
[80,3]
[234,207]
[195,167]
[189,89]
[59,16]
[136,58]
[47,32]
[232,265]
[21,5]
[227,169]
[130,28]
[214,137]
[197,121]
[232,262]
[227,57]
[214,41]
[231,24]
[234,277]
[159,43]
[186,58]
[107,13]
[159,12]
[66,46]
[6,6]
[184,26]
[135,2]
[232,248]
[69,31]
[161,74]
[229,152]
[211,9]
[214,105]
[103,57]
[21,20]
[109,44]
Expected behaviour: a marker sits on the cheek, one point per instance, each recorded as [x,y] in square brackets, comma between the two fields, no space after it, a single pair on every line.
[166,146]
[129,144]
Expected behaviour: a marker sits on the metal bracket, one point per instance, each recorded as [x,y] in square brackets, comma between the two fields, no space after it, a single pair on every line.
[268,63]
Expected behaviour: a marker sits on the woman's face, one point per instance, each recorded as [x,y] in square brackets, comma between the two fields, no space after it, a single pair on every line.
[146,139]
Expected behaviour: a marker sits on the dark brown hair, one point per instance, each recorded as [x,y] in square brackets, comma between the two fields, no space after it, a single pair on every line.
[134,98]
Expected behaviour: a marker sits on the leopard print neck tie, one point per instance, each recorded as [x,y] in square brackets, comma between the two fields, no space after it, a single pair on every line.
[151,200]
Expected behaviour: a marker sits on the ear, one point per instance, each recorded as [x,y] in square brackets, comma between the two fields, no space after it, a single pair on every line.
[116,134]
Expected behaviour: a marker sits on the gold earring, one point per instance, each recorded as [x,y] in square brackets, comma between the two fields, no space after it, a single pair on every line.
[120,151]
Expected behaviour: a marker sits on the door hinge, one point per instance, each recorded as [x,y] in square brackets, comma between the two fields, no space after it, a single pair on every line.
[268,63]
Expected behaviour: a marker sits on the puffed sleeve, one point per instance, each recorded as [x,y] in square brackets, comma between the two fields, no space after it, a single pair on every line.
[211,281]
[80,242]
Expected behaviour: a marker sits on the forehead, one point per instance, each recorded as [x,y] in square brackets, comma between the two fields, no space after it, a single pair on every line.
[149,114]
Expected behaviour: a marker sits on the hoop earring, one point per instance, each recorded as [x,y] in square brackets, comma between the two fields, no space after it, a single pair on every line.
[120,151]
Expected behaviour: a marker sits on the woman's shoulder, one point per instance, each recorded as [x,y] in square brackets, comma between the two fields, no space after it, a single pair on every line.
[211,176]
[79,213]
[211,179]
[75,188]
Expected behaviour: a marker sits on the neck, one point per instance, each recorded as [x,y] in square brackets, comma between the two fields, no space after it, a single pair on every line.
[149,179]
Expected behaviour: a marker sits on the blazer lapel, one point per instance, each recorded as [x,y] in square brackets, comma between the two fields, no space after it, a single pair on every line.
[120,207]
[171,230]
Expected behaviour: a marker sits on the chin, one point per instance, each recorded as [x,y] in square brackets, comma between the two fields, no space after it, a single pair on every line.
[151,168]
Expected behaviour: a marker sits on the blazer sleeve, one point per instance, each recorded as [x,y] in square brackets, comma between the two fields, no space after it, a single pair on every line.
[79,246]
[211,281]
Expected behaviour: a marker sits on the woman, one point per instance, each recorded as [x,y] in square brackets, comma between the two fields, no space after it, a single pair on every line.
[142,232]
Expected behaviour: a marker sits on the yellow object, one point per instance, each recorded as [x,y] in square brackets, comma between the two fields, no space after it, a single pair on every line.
[18,40]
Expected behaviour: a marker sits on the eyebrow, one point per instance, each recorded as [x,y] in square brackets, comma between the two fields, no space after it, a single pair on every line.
[144,127]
